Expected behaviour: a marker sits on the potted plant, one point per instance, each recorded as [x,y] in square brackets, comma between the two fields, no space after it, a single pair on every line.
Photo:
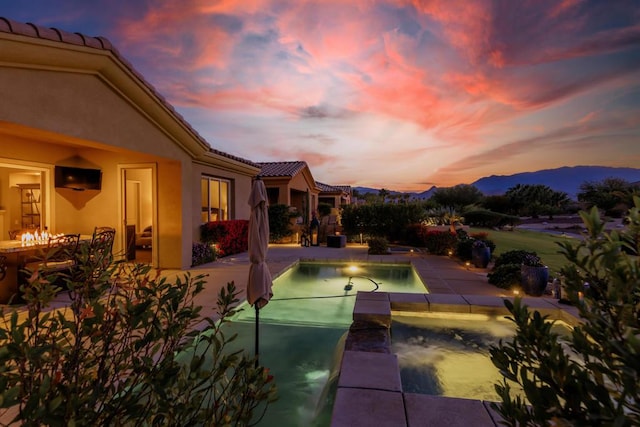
[480,254]
[534,275]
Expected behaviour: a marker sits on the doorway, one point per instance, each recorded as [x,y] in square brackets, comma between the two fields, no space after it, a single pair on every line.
[138,214]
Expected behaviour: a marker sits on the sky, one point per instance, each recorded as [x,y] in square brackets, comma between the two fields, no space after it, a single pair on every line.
[395,94]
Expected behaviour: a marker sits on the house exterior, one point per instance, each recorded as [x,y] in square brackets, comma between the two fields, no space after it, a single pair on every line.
[72,102]
[291,183]
[334,195]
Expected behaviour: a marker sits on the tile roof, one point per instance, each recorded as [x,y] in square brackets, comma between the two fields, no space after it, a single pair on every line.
[275,169]
[31,30]
[326,188]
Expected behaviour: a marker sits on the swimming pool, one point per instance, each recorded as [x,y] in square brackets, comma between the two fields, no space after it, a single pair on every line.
[302,327]
[447,354]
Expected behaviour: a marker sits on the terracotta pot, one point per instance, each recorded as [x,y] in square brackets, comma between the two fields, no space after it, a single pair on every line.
[534,279]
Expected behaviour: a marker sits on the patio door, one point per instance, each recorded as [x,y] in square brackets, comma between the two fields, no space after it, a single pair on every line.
[138,214]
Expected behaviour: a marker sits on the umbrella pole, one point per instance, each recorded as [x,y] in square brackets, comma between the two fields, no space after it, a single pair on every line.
[257,333]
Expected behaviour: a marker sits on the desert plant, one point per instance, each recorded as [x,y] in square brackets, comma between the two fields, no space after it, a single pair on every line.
[594,379]
[125,352]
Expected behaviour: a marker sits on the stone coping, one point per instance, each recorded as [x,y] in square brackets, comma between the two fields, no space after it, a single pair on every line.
[369,388]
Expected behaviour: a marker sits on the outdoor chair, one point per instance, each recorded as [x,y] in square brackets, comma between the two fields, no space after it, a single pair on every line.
[100,249]
[59,256]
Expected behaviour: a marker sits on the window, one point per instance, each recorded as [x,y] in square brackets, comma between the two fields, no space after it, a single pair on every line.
[215,199]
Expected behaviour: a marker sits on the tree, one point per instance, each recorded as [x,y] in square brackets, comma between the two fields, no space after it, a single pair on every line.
[383,194]
[456,198]
[125,353]
[608,194]
[536,200]
[594,380]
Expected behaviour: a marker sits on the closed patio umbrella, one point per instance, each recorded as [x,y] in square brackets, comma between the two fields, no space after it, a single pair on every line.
[259,284]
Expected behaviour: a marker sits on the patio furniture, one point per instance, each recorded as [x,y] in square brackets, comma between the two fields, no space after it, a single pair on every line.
[100,249]
[144,239]
[338,241]
[59,256]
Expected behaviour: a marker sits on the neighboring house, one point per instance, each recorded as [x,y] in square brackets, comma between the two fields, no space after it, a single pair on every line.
[334,195]
[68,100]
[291,184]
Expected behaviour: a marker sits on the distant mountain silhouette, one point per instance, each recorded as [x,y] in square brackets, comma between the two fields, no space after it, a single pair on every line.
[567,179]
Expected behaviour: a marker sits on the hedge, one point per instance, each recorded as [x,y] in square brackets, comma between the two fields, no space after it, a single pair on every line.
[230,236]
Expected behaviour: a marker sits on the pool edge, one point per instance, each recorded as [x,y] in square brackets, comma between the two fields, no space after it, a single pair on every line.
[366,402]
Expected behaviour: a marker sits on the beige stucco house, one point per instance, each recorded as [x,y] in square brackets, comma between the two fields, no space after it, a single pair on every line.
[291,183]
[68,100]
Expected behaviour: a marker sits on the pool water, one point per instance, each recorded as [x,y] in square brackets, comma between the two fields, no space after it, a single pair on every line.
[301,330]
[447,354]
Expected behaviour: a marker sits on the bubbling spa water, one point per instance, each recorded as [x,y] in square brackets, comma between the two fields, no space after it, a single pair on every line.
[447,354]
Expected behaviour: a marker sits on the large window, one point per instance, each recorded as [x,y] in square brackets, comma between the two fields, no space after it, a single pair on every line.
[215,199]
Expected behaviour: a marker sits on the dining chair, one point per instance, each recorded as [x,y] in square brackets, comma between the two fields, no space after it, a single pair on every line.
[14,234]
[100,248]
[59,256]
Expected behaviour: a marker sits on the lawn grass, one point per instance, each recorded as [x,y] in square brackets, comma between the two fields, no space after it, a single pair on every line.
[544,244]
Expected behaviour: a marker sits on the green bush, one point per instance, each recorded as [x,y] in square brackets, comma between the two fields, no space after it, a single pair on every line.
[465,245]
[505,276]
[506,268]
[517,256]
[591,377]
[378,246]
[383,219]
[440,242]
[280,222]
[489,219]
[125,352]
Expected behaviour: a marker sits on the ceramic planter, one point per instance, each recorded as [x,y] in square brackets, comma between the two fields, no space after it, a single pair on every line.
[480,257]
[534,279]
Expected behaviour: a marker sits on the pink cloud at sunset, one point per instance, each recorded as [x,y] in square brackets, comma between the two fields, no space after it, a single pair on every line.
[401,94]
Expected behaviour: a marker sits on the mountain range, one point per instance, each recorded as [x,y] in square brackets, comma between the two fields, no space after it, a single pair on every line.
[566,179]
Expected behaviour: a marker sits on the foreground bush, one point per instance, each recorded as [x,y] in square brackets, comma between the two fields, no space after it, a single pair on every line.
[125,352]
[594,380]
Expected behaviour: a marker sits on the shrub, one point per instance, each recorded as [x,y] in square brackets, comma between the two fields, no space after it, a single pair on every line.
[378,246]
[516,256]
[465,244]
[506,268]
[489,219]
[505,276]
[202,253]
[280,222]
[440,242]
[591,377]
[231,236]
[125,352]
[415,235]
[385,220]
